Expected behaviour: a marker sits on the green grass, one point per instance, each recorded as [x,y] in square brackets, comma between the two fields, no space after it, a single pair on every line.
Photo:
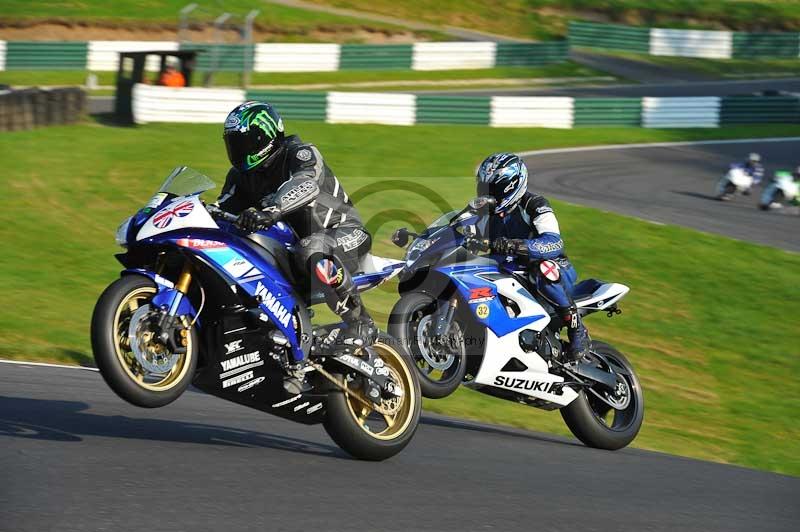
[166,11]
[545,19]
[222,79]
[279,23]
[528,19]
[715,345]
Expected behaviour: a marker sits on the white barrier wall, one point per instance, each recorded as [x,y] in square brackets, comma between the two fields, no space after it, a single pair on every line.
[371,108]
[532,111]
[453,55]
[191,104]
[691,43]
[680,112]
[2,55]
[104,55]
[201,105]
[296,57]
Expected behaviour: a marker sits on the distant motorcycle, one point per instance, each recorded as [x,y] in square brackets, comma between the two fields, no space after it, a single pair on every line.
[736,180]
[477,320]
[782,190]
[202,302]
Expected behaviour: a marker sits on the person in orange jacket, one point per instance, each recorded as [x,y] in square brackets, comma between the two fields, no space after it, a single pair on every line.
[172,77]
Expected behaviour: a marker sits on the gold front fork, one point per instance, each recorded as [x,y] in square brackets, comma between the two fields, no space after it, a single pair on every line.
[185,278]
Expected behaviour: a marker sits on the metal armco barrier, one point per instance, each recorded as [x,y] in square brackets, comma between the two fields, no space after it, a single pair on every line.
[684,43]
[30,108]
[164,104]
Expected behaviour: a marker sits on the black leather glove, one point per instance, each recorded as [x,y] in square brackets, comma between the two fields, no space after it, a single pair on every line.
[508,246]
[253,219]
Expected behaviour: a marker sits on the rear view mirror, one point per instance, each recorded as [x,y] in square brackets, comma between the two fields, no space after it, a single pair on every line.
[482,204]
[400,237]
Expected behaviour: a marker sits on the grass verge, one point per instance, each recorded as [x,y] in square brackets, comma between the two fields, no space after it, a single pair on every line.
[290,80]
[526,19]
[710,361]
[286,19]
[543,19]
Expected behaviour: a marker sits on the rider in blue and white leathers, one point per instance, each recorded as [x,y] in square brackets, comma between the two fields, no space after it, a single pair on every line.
[753,167]
[525,225]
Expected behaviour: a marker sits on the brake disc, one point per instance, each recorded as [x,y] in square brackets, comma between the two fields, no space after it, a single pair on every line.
[432,354]
[621,397]
[152,356]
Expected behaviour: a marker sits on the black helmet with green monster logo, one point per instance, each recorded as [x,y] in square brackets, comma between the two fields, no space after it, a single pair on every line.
[253,135]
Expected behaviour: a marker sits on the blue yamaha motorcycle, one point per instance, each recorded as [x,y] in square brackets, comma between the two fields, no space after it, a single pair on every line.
[479,320]
[205,303]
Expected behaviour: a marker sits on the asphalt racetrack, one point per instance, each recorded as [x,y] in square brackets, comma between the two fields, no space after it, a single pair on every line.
[75,457]
[672,184]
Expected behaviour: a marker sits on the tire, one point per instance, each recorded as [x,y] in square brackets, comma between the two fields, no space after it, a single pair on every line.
[727,192]
[117,365]
[582,418]
[777,197]
[403,324]
[343,426]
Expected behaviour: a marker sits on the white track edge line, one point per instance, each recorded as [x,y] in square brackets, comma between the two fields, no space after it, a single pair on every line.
[45,365]
[655,145]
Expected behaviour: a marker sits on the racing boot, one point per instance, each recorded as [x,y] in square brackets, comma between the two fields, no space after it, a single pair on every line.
[358,327]
[579,340]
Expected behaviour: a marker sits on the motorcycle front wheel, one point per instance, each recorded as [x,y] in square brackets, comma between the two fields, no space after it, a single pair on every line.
[440,363]
[167,375]
[725,190]
[352,420]
[591,416]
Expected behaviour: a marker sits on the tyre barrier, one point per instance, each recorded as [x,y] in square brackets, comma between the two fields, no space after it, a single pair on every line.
[30,108]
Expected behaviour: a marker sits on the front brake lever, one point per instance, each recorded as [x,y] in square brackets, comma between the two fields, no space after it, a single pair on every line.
[477,244]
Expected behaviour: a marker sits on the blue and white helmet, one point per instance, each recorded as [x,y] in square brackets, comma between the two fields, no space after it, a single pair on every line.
[505,177]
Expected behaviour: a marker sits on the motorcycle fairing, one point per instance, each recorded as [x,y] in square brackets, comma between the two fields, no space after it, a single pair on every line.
[481,287]
[533,381]
[180,212]
[235,260]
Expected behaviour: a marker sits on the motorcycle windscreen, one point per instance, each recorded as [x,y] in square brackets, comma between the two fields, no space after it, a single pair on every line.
[185,181]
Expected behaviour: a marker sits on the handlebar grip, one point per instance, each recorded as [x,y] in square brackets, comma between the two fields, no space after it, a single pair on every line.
[216,212]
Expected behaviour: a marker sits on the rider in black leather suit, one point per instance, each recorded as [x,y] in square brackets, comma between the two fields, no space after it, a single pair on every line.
[275,177]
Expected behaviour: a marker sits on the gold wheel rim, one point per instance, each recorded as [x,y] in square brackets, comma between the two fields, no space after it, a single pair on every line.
[398,422]
[127,360]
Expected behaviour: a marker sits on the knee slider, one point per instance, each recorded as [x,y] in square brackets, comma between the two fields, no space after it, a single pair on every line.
[329,273]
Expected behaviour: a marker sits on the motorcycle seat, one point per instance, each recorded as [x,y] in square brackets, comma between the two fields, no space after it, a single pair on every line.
[592,294]
[584,289]
[370,264]
[374,270]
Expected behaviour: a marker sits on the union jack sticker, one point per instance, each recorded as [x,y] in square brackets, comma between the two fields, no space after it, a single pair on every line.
[166,215]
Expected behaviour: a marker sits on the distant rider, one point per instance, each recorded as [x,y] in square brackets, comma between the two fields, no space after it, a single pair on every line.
[332,238]
[525,225]
[753,167]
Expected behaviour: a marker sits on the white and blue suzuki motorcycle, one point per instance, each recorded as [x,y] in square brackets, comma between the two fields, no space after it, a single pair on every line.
[201,302]
[736,180]
[477,320]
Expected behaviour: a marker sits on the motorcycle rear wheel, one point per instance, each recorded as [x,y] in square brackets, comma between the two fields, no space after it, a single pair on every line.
[114,357]
[597,424]
[359,429]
